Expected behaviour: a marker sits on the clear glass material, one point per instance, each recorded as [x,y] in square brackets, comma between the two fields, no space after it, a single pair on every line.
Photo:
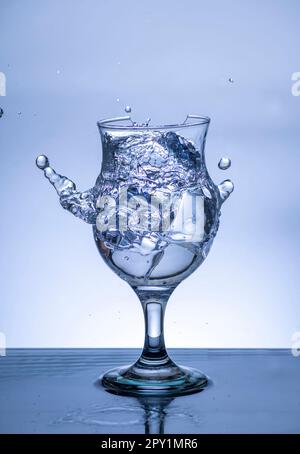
[155,212]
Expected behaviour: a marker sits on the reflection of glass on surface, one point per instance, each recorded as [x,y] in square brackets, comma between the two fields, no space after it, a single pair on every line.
[155,413]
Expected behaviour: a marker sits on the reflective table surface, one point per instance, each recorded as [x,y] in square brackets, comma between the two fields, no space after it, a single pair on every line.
[54,391]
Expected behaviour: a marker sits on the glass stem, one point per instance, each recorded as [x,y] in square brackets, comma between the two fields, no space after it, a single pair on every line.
[154,301]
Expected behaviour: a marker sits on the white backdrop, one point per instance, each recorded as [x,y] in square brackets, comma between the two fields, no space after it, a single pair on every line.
[66,63]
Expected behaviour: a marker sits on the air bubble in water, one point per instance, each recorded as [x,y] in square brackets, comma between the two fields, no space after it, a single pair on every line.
[42,162]
[1,112]
[127,109]
[224,163]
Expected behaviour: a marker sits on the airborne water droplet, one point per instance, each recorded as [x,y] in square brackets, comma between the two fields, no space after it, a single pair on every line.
[42,162]
[225,188]
[224,163]
[127,109]
[1,112]
[230,80]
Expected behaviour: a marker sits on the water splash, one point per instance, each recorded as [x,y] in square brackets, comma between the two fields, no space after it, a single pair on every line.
[81,204]
[224,163]
[146,162]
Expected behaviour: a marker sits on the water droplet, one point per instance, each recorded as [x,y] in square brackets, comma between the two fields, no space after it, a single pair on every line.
[225,188]
[118,99]
[224,163]
[42,162]
[127,109]
[230,80]
[1,112]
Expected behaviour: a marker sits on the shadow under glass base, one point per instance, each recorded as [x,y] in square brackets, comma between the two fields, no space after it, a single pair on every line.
[142,379]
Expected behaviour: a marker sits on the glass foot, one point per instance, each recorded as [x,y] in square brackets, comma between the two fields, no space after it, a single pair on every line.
[141,379]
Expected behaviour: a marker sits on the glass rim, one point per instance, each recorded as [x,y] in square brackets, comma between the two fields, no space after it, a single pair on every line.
[113,123]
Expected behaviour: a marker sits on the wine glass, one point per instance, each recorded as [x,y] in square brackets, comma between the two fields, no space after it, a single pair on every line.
[155,212]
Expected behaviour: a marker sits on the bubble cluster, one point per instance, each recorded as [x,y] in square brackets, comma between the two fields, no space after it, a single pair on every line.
[154,159]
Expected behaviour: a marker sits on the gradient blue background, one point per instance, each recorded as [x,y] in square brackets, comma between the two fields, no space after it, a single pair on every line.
[66,63]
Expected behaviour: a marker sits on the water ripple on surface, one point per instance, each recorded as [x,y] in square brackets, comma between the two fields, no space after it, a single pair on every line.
[105,416]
